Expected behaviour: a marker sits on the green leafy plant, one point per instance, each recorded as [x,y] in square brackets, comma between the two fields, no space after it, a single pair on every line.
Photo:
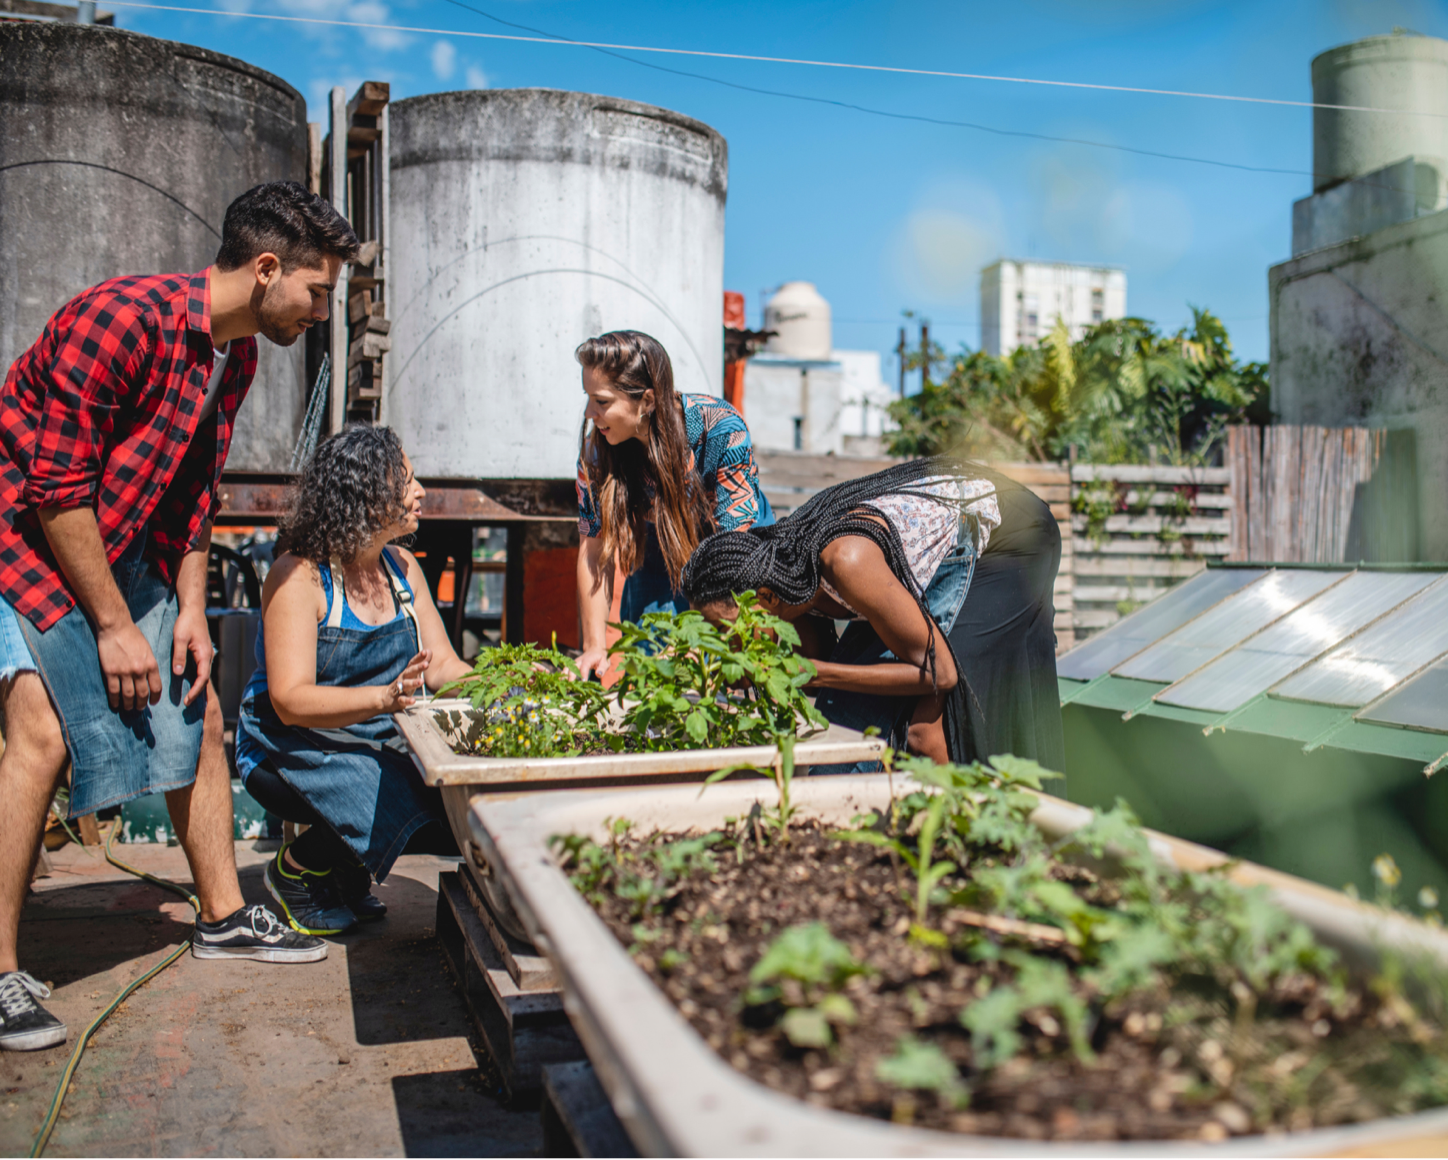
[1124,392]
[687,683]
[647,878]
[529,702]
[684,684]
[1026,946]
[778,817]
[918,1066]
[808,965]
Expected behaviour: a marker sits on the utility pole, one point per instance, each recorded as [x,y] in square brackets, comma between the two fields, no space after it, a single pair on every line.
[900,350]
[924,355]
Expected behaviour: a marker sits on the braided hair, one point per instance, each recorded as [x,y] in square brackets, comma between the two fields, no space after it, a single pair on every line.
[785,557]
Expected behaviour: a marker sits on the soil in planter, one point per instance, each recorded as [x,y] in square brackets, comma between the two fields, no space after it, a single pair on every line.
[1186,1059]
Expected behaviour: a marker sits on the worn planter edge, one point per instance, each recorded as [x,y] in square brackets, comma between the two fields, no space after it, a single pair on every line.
[441,766]
[677,1097]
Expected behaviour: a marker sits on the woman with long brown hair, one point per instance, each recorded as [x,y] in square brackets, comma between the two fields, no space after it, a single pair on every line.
[657,472]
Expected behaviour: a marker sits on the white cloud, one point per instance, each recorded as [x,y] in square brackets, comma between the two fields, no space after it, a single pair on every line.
[940,248]
[477,78]
[382,39]
[444,59]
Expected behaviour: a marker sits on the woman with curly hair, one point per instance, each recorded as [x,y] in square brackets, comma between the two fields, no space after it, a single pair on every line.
[657,471]
[349,636]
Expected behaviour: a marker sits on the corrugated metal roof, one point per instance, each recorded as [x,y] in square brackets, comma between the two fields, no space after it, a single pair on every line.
[1333,656]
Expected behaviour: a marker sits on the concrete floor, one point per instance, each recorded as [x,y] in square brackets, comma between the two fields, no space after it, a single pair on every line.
[365,1054]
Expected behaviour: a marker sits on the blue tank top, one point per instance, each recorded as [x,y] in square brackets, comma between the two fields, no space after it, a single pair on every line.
[349,620]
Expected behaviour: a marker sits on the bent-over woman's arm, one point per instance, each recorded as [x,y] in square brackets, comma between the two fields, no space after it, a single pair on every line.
[856,568]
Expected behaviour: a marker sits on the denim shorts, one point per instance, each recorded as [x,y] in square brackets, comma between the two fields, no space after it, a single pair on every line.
[119,755]
[861,645]
[14,652]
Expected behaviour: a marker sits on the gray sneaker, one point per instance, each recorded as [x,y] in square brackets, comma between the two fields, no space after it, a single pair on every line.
[254,932]
[24,1024]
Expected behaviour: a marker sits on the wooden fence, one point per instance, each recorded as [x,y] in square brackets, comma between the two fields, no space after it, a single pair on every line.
[1129,533]
[1145,529]
[1320,495]
[791,477]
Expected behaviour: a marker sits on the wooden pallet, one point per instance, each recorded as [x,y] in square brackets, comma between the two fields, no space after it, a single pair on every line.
[522,1030]
[578,1119]
[356,175]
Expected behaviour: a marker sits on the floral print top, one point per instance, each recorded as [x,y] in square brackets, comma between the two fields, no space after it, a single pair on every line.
[927,529]
[721,450]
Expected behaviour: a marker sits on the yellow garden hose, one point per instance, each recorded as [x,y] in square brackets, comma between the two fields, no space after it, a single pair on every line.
[53,1113]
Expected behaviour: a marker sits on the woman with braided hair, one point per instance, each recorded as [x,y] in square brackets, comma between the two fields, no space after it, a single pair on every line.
[897,553]
[657,471]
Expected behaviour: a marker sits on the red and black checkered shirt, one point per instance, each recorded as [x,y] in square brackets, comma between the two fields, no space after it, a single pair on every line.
[100,412]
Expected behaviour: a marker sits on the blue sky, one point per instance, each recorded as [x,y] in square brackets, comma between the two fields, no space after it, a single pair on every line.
[885,214]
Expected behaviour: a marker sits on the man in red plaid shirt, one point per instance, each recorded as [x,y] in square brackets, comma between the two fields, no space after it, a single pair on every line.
[114,428]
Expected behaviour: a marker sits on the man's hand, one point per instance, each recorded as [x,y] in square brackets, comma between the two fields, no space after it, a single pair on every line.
[191,637]
[128,666]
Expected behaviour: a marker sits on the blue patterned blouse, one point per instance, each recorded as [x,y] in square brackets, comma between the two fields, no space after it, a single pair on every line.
[721,450]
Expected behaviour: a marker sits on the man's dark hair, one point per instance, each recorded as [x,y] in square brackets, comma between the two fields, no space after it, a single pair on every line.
[283,218]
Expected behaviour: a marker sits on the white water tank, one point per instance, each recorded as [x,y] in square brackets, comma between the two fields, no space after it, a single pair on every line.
[800,318]
[524,221]
[119,154]
[1408,73]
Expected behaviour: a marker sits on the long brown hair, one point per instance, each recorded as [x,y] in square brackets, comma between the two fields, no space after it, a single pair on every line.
[633,363]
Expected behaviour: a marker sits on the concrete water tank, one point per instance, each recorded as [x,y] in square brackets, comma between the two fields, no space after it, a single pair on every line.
[1408,73]
[119,154]
[524,221]
[800,318]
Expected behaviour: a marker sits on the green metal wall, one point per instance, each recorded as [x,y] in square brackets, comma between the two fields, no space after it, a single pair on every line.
[1323,815]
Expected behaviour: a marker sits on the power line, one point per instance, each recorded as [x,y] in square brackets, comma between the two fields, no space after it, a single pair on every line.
[894,115]
[551,38]
[777,59]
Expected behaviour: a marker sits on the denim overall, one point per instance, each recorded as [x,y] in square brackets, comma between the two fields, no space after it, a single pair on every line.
[861,645]
[360,778]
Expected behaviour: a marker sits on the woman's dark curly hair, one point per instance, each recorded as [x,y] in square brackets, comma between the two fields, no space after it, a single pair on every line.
[354,485]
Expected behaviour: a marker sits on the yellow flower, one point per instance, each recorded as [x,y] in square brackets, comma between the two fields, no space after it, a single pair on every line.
[1428,898]
[1386,871]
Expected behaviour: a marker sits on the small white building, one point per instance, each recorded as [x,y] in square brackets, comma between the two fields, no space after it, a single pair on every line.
[1020,301]
[800,394]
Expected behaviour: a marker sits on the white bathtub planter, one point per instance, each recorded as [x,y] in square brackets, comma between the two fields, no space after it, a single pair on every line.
[462,777]
[441,765]
[675,1096]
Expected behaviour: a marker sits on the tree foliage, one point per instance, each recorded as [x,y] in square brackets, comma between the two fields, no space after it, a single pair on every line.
[1122,393]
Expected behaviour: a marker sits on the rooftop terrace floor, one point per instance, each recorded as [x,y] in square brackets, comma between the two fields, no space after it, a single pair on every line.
[365,1054]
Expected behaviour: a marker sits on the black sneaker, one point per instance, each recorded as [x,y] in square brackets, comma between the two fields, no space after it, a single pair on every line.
[27,1026]
[311,900]
[357,896]
[254,932]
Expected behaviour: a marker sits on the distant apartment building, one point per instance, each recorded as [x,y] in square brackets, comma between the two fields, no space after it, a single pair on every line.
[1020,301]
